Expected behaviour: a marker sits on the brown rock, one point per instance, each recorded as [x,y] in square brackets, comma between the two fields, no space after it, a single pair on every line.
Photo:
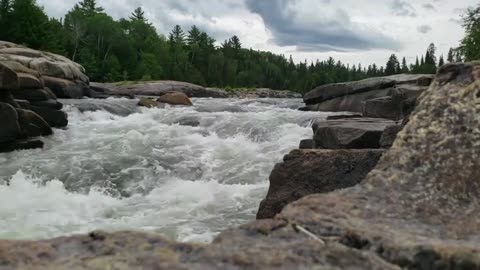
[33,125]
[315,171]
[175,98]
[148,102]
[307,144]
[9,128]
[8,78]
[63,88]
[53,117]
[29,81]
[34,95]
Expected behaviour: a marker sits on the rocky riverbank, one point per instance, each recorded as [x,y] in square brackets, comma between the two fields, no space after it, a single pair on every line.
[416,210]
[30,82]
[391,97]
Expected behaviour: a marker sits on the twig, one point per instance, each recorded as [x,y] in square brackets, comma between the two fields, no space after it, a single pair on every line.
[299,228]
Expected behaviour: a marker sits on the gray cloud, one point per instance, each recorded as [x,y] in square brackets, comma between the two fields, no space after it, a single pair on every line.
[424,29]
[403,8]
[323,33]
[429,6]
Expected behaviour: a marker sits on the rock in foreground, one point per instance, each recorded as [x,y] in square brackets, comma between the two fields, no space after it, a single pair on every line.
[419,209]
[315,171]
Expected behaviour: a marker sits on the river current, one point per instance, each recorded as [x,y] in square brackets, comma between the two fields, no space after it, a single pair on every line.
[185,172]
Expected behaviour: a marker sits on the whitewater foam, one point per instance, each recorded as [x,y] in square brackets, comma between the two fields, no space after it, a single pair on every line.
[146,171]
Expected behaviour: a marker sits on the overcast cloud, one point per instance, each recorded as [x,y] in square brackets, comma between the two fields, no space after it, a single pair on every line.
[354,31]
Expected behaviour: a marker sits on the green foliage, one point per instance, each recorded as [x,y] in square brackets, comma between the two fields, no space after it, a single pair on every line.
[470,44]
[131,50]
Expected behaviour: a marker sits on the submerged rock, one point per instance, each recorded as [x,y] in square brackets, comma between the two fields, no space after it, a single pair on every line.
[148,102]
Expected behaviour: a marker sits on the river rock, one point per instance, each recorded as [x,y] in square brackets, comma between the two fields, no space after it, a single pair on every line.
[175,98]
[34,95]
[53,117]
[51,103]
[351,96]
[418,209]
[307,144]
[20,145]
[148,102]
[23,104]
[33,125]
[9,127]
[8,78]
[29,81]
[306,172]
[351,133]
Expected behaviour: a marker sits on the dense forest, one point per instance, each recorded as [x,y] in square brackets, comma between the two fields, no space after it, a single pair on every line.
[131,49]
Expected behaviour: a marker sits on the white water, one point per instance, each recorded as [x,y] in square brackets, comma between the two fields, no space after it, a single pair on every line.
[144,172]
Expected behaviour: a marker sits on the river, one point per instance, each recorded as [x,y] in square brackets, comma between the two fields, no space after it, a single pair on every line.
[185,172]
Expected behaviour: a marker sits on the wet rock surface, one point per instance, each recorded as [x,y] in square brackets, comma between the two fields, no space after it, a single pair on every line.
[418,209]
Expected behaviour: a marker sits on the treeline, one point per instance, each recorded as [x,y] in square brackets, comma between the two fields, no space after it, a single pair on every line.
[131,49]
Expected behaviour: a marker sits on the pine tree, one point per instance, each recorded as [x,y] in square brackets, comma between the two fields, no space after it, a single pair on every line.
[450,57]
[89,7]
[404,66]
[393,66]
[138,14]
[441,61]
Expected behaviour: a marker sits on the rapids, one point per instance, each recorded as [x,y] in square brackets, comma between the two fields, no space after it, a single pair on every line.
[187,173]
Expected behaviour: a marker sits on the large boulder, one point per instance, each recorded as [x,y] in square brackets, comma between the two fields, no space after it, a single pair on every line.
[351,96]
[350,133]
[315,171]
[175,98]
[38,69]
[9,127]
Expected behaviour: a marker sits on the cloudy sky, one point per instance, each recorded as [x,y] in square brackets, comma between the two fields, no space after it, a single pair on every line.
[354,31]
